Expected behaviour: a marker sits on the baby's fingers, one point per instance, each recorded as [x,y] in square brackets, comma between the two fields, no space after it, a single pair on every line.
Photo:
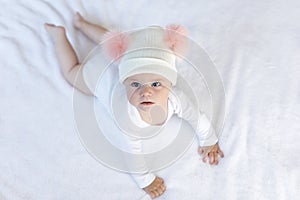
[204,159]
[160,180]
[161,189]
[220,152]
[157,191]
[212,157]
[154,194]
[216,159]
[200,150]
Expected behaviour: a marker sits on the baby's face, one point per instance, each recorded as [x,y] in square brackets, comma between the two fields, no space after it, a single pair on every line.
[144,91]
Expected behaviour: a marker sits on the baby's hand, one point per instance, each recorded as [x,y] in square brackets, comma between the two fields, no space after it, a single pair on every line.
[156,188]
[212,152]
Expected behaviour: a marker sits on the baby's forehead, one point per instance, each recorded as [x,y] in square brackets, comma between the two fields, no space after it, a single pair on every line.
[147,77]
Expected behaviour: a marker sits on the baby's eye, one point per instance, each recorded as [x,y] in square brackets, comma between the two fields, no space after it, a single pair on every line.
[156,84]
[135,84]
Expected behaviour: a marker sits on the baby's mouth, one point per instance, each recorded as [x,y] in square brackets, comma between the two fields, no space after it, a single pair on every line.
[147,103]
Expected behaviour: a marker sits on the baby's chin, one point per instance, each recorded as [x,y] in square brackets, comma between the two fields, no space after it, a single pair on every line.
[156,113]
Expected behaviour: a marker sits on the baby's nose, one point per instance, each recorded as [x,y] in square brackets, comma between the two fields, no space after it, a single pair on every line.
[146,90]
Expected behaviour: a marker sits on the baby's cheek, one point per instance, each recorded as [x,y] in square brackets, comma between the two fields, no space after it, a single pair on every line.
[130,95]
[133,100]
[164,98]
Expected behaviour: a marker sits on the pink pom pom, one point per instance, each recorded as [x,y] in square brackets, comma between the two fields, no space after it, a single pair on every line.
[175,37]
[115,43]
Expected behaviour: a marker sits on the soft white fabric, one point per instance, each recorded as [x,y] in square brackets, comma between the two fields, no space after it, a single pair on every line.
[255,46]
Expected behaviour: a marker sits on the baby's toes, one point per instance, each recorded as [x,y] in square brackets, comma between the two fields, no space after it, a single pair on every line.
[79,16]
[54,31]
[49,27]
[78,20]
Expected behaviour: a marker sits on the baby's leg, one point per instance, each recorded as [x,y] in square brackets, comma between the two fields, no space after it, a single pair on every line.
[93,31]
[67,57]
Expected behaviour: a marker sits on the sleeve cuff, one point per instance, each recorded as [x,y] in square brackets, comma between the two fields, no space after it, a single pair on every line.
[143,180]
[211,140]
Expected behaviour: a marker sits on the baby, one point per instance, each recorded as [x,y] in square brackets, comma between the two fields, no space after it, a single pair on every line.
[148,72]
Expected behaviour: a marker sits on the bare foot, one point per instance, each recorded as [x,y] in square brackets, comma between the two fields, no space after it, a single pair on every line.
[56,32]
[156,188]
[78,20]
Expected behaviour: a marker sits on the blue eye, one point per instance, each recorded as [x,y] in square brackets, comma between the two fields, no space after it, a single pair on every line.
[156,84]
[135,84]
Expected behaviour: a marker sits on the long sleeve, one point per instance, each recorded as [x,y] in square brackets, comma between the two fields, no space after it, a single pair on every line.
[137,165]
[185,109]
[102,82]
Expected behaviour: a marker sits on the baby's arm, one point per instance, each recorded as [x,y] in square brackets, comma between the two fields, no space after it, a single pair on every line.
[207,138]
[139,170]
[205,134]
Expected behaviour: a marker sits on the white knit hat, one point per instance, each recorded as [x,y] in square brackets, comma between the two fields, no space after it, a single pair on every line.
[148,50]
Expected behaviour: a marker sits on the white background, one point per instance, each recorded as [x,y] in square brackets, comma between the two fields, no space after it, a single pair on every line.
[256,48]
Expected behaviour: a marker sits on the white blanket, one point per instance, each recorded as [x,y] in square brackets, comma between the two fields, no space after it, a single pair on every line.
[256,48]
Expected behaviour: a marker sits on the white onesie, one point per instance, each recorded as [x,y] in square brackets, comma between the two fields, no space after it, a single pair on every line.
[178,104]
